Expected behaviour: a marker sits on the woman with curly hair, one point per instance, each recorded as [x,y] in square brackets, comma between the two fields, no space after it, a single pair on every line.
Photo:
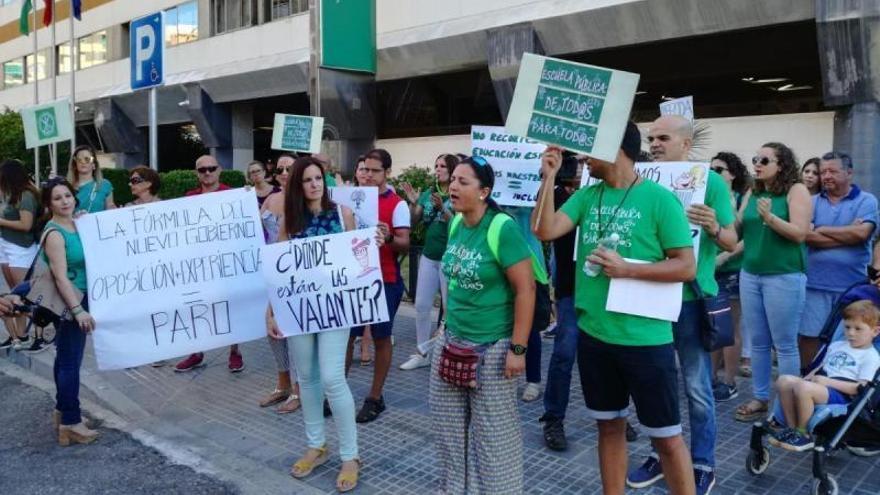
[774,223]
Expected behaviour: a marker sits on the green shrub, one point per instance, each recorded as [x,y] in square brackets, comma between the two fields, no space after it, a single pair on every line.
[119,178]
[174,183]
[233,178]
[421,179]
[177,182]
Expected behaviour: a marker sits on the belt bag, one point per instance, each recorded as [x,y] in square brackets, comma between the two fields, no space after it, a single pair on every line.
[716,319]
[460,365]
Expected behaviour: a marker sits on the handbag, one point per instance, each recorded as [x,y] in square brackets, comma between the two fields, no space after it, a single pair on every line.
[40,294]
[460,365]
[716,325]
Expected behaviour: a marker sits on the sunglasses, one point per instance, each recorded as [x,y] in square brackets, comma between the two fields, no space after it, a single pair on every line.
[718,170]
[762,160]
[478,160]
[136,180]
[207,170]
[54,181]
[85,159]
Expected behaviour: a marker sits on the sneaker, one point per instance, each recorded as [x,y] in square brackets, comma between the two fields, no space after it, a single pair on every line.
[371,410]
[6,344]
[190,363]
[705,481]
[531,392]
[416,361]
[22,343]
[631,434]
[38,345]
[554,433]
[236,364]
[724,392]
[863,451]
[645,475]
[795,441]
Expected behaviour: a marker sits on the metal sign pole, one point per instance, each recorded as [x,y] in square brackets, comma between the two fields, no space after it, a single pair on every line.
[154,136]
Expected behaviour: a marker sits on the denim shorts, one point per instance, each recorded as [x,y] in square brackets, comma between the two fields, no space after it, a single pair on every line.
[612,374]
[393,295]
[728,281]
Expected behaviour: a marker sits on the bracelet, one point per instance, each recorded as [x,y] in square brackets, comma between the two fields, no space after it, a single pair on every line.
[75,312]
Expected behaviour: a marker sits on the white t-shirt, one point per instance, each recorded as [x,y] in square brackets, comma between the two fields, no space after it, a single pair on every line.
[844,361]
[400,218]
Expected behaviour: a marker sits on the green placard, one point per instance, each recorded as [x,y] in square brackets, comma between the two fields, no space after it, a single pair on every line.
[47,123]
[580,107]
[297,133]
[348,35]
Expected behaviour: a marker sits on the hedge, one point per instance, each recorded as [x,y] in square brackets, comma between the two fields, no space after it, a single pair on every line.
[174,183]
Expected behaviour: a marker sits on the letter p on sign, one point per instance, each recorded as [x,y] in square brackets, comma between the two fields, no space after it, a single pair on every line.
[147,51]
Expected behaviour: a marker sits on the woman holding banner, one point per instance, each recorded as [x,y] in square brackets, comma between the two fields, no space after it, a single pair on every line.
[491,303]
[66,259]
[93,192]
[432,208]
[319,357]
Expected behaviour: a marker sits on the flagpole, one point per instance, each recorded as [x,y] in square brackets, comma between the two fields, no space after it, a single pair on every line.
[72,80]
[53,150]
[36,95]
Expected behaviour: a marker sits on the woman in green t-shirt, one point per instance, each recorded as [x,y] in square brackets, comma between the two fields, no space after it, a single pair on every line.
[773,280]
[431,208]
[491,300]
[94,192]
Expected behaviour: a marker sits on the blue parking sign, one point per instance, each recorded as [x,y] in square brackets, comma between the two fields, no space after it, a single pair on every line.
[147,51]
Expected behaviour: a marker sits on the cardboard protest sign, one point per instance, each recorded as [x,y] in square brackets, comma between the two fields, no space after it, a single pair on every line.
[516,161]
[679,106]
[325,282]
[297,133]
[47,123]
[363,201]
[579,107]
[174,277]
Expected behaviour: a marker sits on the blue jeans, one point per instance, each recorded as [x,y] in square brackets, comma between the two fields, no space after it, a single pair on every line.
[70,342]
[562,360]
[320,369]
[772,306]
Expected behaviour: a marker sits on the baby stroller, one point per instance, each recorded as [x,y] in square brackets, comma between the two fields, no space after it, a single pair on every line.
[832,426]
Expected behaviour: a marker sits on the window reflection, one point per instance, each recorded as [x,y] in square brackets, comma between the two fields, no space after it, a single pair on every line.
[93,49]
[13,73]
[182,24]
[40,66]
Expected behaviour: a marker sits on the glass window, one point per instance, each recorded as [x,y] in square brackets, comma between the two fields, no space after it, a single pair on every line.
[93,49]
[276,9]
[182,24]
[13,73]
[64,58]
[40,66]
[229,15]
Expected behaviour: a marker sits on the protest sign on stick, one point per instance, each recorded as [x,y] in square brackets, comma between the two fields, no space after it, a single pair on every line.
[516,161]
[363,201]
[679,106]
[325,282]
[579,107]
[174,277]
[297,133]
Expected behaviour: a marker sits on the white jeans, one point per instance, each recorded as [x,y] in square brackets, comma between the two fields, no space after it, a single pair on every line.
[431,279]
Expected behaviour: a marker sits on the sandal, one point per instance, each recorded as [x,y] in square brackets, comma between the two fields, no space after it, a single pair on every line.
[745,371]
[274,397]
[290,405]
[366,362]
[308,462]
[348,479]
[751,411]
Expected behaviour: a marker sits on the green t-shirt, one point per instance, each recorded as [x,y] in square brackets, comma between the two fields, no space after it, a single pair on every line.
[437,228]
[717,198]
[766,252]
[480,300]
[650,222]
[734,263]
[329,180]
[29,203]
[76,257]
[92,200]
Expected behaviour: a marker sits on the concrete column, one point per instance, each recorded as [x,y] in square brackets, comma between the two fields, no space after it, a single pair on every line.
[856,131]
[242,135]
[505,48]
[214,122]
[119,135]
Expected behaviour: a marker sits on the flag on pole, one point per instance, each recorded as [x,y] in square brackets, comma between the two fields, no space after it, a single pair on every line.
[76,6]
[47,12]
[23,25]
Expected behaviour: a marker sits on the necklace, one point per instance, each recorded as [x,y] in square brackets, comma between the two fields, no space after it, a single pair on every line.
[613,215]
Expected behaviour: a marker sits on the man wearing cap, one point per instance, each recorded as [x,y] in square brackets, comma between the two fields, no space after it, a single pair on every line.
[623,356]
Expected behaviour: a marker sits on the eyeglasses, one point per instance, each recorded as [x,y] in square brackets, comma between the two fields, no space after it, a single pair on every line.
[207,170]
[282,170]
[718,170]
[85,159]
[763,160]
[136,180]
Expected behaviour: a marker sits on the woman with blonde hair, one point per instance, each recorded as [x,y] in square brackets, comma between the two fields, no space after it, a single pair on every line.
[93,191]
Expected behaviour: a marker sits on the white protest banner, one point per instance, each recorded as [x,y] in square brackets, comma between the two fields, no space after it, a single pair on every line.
[297,133]
[325,282]
[47,123]
[516,161]
[679,106]
[363,201]
[579,107]
[174,277]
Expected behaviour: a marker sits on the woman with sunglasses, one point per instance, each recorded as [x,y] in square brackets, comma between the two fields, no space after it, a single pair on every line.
[92,190]
[144,183]
[775,222]
[432,208]
[491,303]
[319,358]
[64,254]
[258,177]
[810,176]
[18,222]
[727,266]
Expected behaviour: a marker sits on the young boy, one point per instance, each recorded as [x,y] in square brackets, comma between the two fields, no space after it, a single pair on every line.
[847,364]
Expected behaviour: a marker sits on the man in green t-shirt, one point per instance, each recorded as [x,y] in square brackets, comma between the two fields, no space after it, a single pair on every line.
[623,356]
[670,138]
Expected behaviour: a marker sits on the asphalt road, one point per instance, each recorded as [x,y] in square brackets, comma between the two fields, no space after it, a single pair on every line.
[31,462]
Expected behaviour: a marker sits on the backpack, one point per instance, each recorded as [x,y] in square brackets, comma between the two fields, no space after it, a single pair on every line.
[493,237]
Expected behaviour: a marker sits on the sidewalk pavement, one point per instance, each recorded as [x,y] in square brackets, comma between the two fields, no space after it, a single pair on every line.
[211,418]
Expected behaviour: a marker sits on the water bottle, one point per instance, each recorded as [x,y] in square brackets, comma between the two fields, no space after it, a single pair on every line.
[610,243]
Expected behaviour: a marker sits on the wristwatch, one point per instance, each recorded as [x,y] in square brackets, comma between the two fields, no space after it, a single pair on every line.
[517,349]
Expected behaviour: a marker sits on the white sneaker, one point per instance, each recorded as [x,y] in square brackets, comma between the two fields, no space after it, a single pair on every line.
[416,361]
[531,392]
